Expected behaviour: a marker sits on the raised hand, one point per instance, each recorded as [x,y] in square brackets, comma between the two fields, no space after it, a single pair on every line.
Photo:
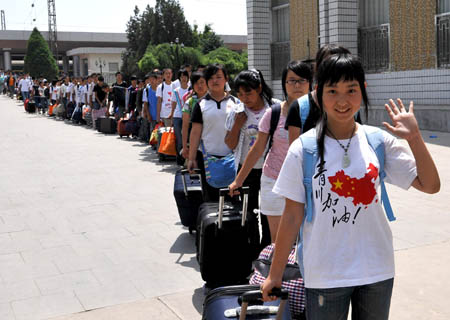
[404,123]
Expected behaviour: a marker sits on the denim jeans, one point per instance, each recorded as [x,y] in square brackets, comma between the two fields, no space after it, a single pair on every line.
[25,95]
[177,126]
[369,302]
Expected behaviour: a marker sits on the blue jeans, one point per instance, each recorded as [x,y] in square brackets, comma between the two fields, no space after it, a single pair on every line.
[369,302]
[25,95]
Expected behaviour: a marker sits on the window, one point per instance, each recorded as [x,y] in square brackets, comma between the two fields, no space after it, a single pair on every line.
[113,66]
[444,6]
[443,33]
[374,34]
[280,47]
[280,23]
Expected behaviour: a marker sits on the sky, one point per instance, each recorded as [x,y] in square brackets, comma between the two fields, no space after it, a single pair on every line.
[226,16]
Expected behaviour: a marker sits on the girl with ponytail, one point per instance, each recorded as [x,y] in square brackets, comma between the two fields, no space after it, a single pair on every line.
[346,252]
[242,131]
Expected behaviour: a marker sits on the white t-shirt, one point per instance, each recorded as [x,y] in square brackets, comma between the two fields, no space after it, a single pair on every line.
[212,115]
[55,92]
[349,241]
[180,91]
[91,91]
[70,92]
[166,96]
[83,92]
[25,85]
[248,133]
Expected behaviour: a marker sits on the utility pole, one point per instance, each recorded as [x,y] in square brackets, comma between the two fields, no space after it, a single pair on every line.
[3,20]
[52,33]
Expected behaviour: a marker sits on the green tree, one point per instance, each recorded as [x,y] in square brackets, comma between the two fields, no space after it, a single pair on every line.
[39,61]
[209,40]
[169,56]
[233,61]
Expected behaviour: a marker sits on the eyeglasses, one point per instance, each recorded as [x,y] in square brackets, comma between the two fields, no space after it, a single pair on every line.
[294,82]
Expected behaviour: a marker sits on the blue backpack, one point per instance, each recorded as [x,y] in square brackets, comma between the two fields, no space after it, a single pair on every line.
[310,157]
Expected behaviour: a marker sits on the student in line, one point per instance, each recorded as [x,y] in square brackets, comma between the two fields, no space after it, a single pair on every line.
[242,130]
[208,123]
[346,253]
[165,98]
[293,120]
[296,82]
[177,107]
[199,90]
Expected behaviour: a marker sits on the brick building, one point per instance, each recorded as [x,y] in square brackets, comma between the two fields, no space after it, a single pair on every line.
[403,44]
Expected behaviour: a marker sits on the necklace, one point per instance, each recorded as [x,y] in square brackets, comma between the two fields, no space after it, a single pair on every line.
[345,159]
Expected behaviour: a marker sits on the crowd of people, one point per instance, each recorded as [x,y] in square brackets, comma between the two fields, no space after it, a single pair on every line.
[336,210]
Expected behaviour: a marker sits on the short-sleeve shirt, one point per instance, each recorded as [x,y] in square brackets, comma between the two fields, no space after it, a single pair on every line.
[180,103]
[150,97]
[119,93]
[212,115]
[166,95]
[248,132]
[293,118]
[348,242]
[280,145]
[99,92]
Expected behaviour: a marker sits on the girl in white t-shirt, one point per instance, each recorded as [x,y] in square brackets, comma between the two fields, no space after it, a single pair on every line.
[296,81]
[242,130]
[346,252]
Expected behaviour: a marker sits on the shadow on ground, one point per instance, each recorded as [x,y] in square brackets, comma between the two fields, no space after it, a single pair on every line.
[197,300]
[185,244]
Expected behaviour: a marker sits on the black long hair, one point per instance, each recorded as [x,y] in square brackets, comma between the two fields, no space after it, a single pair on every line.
[333,69]
[302,69]
[252,79]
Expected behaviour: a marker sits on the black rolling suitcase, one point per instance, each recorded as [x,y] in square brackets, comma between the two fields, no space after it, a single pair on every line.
[244,302]
[188,194]
[224,244]
[106,125]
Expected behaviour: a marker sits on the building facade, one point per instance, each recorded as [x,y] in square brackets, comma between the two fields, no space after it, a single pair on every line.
[404,46]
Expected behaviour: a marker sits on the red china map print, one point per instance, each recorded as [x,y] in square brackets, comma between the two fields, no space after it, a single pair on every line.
[361,190]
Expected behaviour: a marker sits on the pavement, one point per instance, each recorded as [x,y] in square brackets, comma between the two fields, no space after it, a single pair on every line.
[89,230]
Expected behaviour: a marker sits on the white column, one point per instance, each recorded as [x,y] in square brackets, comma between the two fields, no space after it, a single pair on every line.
[76,66]
[338,21]
[259,35]
[7,58]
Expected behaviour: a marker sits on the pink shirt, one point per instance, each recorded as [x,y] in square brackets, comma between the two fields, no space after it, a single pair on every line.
[280,145]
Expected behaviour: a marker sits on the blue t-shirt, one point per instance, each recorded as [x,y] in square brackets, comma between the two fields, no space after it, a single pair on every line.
[152,102]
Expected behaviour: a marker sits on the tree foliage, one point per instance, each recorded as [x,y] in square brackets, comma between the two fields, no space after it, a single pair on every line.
[39,61]
[233,61]
[165,55]
[152,36]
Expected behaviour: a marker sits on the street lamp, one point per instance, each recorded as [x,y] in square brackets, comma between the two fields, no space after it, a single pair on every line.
[177,56]
[100,63]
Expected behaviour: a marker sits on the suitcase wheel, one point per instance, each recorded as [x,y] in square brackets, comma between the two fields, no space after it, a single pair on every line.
[191,230]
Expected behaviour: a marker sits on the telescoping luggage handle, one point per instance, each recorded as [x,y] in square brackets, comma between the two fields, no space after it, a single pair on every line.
[223,193]
[255,295]
[183,178]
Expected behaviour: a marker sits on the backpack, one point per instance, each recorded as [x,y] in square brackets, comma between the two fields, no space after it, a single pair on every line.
[310,157]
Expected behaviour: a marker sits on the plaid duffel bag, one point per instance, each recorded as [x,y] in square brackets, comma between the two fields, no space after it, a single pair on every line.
[292,279]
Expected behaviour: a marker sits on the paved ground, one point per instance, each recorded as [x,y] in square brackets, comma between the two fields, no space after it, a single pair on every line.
[88,223]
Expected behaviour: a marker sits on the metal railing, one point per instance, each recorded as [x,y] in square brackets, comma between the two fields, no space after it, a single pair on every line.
[374,47]
[443,40]
[281,54]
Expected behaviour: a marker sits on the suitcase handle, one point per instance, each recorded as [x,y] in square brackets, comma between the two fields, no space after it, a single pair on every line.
[223,193]
[183,178]
[255,295]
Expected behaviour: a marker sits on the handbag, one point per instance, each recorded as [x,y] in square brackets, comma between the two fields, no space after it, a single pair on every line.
[292,279]
[154,136]
[219,172]
[168,144]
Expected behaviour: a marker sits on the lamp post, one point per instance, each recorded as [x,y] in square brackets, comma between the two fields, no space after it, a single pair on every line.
[177,55]
[100,63]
